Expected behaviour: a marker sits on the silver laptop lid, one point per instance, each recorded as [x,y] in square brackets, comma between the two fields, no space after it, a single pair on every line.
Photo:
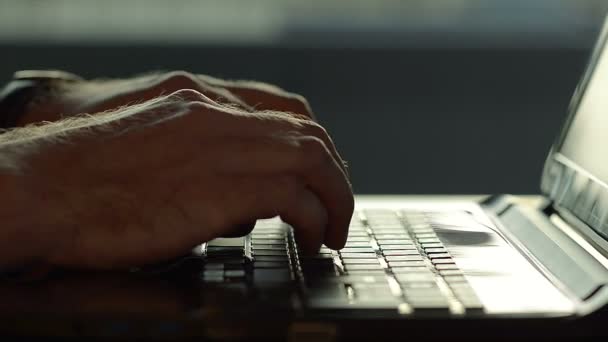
[575,177]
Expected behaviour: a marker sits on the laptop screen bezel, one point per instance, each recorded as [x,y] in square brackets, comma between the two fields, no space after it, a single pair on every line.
[574,192]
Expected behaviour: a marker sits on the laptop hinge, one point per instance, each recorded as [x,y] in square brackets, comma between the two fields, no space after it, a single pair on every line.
[549,247]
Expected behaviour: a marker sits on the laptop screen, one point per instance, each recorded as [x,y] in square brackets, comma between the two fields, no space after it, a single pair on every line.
[586,141]
[576,172]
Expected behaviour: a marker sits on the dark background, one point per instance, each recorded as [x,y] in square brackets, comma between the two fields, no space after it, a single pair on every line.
[409,117]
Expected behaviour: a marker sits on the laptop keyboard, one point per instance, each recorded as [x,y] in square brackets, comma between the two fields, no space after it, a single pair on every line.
[392,260]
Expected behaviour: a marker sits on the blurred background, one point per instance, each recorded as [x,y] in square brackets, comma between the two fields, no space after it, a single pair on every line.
[421,96]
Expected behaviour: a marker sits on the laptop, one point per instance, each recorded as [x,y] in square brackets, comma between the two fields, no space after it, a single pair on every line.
[479,267]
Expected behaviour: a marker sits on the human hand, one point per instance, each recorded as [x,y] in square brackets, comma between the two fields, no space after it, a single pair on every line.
[151,181]
[77,97]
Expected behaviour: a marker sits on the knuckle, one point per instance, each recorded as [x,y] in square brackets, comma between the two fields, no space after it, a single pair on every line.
[315,129]
[300,101]
[183,78]
[296,102]
[261,87]
[314,149]
[188,95]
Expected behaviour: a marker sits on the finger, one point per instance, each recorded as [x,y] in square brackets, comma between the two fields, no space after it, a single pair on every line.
[241,229]
[309,219]
[305,157]
[264,96]
[285,196]
[314,129]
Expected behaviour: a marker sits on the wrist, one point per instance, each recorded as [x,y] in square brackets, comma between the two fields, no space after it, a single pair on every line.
[24,238]
[32,96]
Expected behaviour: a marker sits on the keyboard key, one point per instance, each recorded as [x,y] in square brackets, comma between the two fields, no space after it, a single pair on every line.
[234,266]
[388,229]
[442,261]
[440,256]
[271,264]
[443,267]
[398,247]
[379,212]
[421,227]
[269,234]
[227,242]
[427,293]
[225,251]
[472,305]
[415,277]
[377,271]
[363,267]
[426,232]
[348,262]
[358,239]
[385,224]
[324,249]
[425,305]
[382,287]
[234,273]
[383,242]
[213,273]
[214,266]
[267,241]
[269,226]
[263,252]
[357,244]
[356,223]
[357,250]
[426,235]
[223,259]
[428,240]
[454,279]
[391,258]
[317,261]
[372,292]
[354,279]
[383,236]
[400,252]
[267,245]
[419,285]
[216,279]
[431,245]
[357,255]
[327,292]
[328,299]
[270,258]
[463,288]
[407,263]
[410,269]
[429,250]
[352,234]
[269,248]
